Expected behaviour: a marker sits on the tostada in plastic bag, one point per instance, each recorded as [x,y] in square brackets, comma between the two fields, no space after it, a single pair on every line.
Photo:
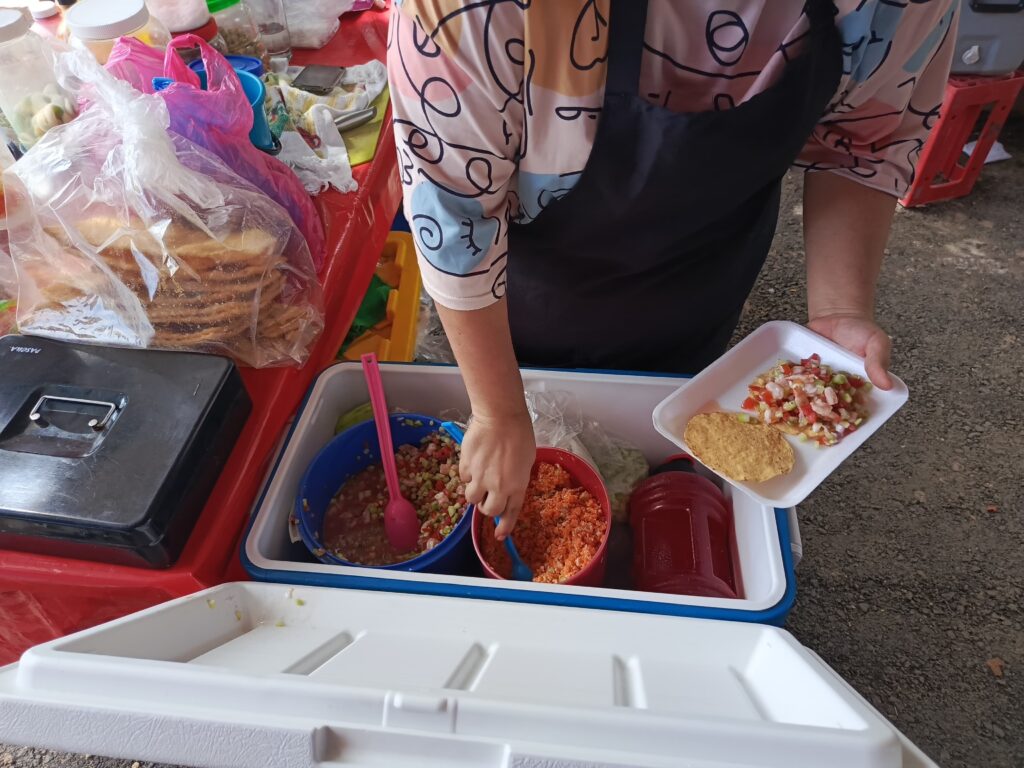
[124,233]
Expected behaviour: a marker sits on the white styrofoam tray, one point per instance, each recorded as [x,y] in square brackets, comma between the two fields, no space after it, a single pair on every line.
[253,674]
[722,386]
[621,403]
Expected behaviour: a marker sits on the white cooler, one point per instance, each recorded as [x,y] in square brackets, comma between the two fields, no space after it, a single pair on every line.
[991,37]
[408,670]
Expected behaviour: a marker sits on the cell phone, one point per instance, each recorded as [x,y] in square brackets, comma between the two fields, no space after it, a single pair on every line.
[319,79]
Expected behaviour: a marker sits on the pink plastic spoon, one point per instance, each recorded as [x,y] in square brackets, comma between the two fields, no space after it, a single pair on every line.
[401,524]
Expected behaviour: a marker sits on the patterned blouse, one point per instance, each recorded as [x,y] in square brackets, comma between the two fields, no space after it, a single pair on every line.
[496,103]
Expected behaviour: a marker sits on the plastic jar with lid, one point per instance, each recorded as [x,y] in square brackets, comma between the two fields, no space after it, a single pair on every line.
[188,17]
[210,33]
[96,25]
[30,98]
[239,30]
[47,18]
[270,18]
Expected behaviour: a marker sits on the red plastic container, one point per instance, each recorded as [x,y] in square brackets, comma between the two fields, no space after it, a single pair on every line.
[584,474]
[682,536]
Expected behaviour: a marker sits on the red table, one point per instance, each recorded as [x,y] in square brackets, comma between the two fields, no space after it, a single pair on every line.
[45,597]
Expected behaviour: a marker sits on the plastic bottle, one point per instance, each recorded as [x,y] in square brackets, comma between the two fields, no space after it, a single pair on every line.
[96,25]
[47,18]
[270,18]
[682,534]
[30,98]
[63,6]
[238,29]
[188,17]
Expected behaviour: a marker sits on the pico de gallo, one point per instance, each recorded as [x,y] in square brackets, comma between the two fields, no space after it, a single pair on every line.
[808,399]
[429,477]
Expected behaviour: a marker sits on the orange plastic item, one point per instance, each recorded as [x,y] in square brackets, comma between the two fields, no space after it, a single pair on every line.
[394,339]
[942,173]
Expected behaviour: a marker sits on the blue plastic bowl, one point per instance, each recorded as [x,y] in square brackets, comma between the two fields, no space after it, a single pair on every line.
[346,456]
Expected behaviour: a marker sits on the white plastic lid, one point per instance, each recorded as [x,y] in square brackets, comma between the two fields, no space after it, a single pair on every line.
[43,9]
[103,20]
[13,24]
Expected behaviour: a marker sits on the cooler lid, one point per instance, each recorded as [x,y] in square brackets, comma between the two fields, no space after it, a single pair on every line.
[89,435]
[263,674]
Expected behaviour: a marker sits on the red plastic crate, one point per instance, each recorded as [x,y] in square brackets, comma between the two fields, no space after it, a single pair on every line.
[942,172]
[44,597]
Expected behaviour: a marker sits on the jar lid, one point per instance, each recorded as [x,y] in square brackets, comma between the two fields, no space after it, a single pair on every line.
[216,6]
[43,9]
[13,24]
[101,20]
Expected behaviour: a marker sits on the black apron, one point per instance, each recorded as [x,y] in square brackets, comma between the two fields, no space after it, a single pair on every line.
[646,262]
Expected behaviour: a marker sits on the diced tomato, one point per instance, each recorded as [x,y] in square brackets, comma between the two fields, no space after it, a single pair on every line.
[855,381]
[787,368]
[750,404]
[812,418]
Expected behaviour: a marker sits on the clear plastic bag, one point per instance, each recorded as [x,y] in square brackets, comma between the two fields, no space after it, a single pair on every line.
[431,341]
[123,233]
[312,23]
[559,422]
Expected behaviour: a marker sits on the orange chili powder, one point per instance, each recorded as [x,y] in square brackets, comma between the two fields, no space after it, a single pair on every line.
[558,532]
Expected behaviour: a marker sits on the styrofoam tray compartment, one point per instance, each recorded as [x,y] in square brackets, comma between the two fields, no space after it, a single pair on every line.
[722,386]
[621,403]
[261,674]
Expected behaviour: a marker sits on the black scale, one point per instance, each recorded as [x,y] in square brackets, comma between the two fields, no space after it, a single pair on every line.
[110,454]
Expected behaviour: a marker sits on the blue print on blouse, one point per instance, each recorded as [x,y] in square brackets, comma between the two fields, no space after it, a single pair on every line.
[452,232]
[538,190]
[867,35]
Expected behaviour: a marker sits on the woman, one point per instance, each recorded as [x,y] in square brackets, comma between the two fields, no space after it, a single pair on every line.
[595,184]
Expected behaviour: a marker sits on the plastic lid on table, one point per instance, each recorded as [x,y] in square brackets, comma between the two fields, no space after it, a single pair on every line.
[13,24]
[43,9]
[107,21]
[216,6]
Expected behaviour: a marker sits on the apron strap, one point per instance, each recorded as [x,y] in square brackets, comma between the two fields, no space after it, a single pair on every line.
[626,45]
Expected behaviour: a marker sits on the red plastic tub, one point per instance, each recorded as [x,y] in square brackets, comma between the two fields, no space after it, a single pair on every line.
[682,536]
[584,474]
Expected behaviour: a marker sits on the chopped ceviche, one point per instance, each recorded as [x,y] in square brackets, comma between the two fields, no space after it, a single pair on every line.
[809,400]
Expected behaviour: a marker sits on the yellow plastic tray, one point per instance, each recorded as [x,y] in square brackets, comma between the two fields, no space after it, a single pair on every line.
[394,339]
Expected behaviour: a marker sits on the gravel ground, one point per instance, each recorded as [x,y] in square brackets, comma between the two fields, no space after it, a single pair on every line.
[913,581]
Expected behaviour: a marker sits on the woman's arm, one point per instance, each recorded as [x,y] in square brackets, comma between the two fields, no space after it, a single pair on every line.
[846,227]
[499,449]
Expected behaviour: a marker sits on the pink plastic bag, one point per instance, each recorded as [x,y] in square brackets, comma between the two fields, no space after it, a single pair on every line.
[219,119]
[136,63]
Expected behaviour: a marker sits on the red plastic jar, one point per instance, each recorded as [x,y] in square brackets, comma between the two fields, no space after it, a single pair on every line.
[682,535]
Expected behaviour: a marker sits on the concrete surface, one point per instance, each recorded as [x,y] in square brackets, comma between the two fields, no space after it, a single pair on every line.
[912,585]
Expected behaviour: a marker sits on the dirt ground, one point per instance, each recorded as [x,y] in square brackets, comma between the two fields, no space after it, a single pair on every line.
[912,584]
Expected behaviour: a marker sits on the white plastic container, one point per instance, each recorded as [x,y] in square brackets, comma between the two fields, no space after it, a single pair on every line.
[96,25]
[30,98]
[990,40]
[247,675]
[621,403]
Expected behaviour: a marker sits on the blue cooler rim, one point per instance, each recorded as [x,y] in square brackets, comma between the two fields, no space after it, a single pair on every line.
[776,615]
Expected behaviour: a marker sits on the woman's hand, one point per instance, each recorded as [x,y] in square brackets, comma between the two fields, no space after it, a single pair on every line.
[497,457]
[861,335]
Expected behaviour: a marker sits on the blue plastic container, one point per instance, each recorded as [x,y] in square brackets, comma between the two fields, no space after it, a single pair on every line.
[255,92]
[346,456]
[249,64]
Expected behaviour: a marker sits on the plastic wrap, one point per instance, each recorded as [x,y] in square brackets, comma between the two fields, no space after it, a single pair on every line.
[312,23]
[219,118]
[122,233]
[559,422]
[431,341]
